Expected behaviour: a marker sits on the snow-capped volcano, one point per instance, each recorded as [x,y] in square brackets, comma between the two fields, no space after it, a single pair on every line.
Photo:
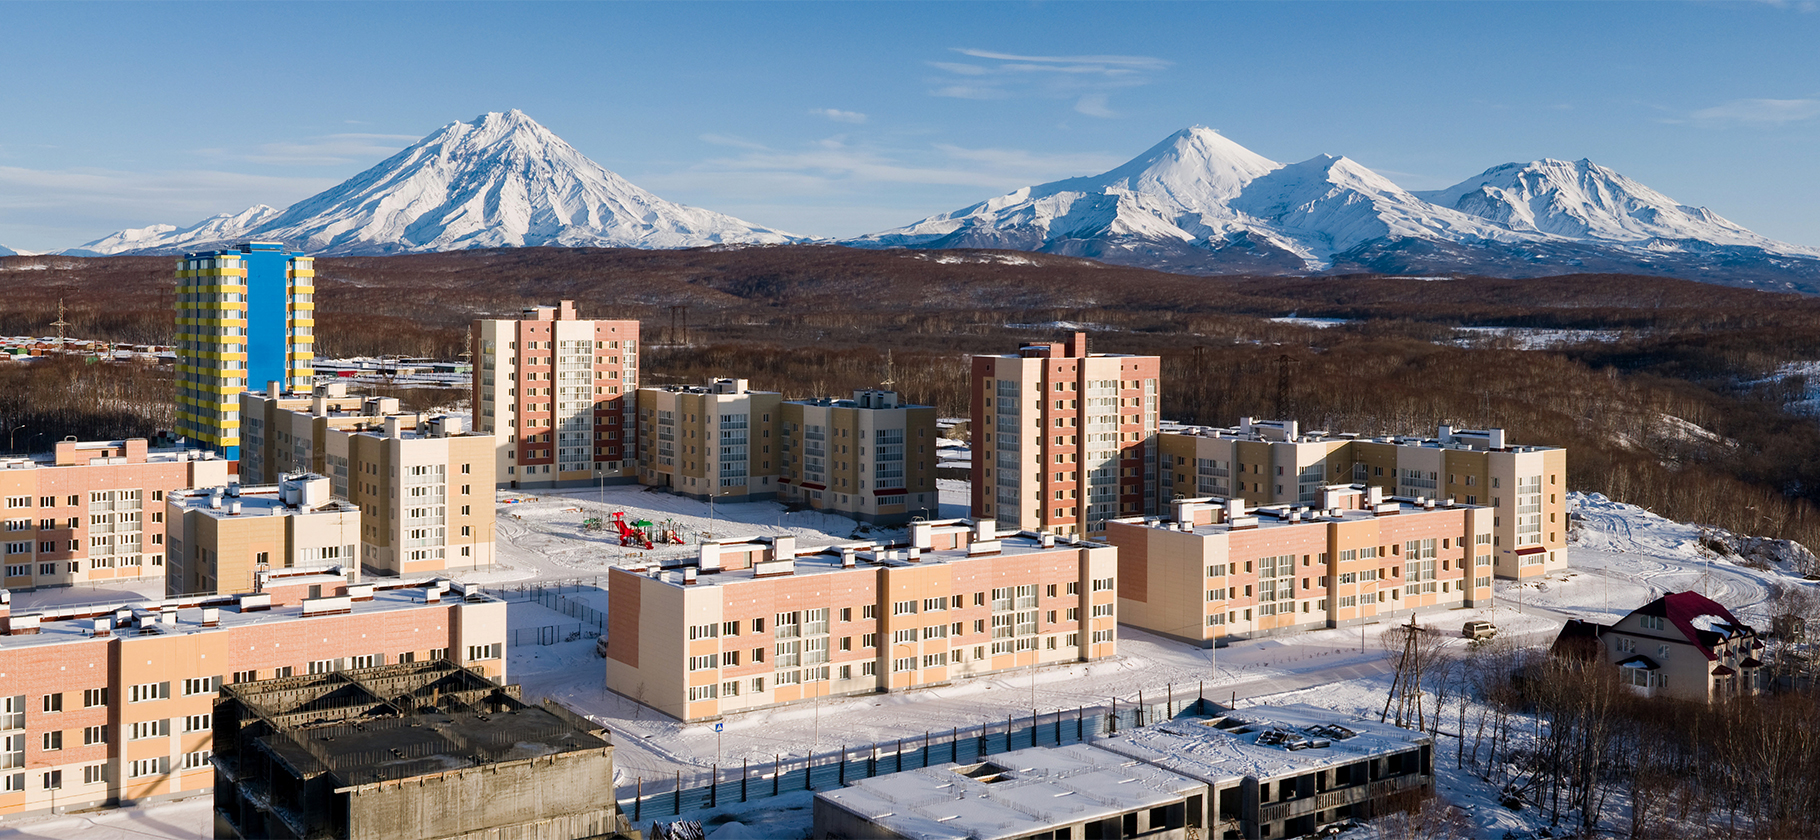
[1584,201]
[1201,203]
[1199,190]
[500,180]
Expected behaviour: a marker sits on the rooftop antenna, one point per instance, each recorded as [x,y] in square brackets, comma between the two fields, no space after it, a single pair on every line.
[60,324]
[890,373]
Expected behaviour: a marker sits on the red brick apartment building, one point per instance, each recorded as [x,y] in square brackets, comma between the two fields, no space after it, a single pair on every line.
[1064,439]
[108,704]
[92,511]
[559,396]
[758,623]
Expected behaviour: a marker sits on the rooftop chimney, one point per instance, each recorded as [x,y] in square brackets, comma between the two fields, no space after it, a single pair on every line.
[1077,345]
[273,388]
[394,427]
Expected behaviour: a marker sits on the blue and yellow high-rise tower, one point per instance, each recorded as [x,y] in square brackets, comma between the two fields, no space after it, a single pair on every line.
[245,317]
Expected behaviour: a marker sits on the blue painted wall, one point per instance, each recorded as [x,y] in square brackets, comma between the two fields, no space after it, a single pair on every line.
[265,322]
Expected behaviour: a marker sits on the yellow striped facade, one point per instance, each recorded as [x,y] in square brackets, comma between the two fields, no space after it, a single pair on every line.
[212,342]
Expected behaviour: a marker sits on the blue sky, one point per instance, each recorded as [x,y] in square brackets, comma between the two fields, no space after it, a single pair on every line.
[835,119]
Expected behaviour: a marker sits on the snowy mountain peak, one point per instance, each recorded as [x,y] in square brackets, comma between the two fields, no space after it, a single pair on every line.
[1582,200]
[499,180]
[1193,166]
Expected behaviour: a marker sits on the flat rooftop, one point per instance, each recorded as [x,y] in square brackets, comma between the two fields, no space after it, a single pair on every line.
[828,559]
[1268,517]
[184,616]
[1275,431]
[256,500]
[1257,741]
[43,460]
[1012,794]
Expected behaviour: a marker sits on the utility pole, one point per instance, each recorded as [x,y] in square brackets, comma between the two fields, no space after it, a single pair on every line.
[60,324]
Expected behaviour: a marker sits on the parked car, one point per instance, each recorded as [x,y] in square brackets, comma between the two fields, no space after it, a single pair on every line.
[1476,630]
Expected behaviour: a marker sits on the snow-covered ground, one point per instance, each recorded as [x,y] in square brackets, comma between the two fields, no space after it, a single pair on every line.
[1533,338]
[1621,556]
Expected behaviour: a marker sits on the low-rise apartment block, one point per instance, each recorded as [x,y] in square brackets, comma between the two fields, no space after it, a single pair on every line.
[1275,462]
[337,755]
[871,458]
[222,537]
[556,393]
[1064,439]
[113,704]
[758,623]
[1682,645]
[93,511]
[423,484]
[1219,569]
[283,433]
[715,441]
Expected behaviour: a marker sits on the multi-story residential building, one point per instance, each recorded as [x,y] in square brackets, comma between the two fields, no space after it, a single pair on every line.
[871,458]
[715,441]
[1064,439]
[93,511]
[1682,645]
[220,538]
[1274,462]
[113,704]
[286,433]
[556,393]
[423,485]
[758,623]
[425,494]
[1218,569]
[243,316]
[444,765]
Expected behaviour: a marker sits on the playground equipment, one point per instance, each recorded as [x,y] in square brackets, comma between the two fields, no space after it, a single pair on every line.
[634,534]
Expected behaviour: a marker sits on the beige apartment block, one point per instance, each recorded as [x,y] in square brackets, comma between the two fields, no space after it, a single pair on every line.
[715,441]
[425,494]
[556,392]
[283,433]
[871,458]
[1274,462]
[112,704]
[1220,569]
[92,511]
[222,537]
[759,623]
[1064,439]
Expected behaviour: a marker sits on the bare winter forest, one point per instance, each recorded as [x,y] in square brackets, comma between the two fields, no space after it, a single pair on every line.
[1681,403]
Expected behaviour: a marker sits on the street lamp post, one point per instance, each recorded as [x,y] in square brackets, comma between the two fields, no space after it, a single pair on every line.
[12,436]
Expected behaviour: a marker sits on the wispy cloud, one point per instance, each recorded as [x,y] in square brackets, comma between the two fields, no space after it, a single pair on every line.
[324,150]
[839,164]
[1756,112]
[1088,80]
[838,115]
[91,203]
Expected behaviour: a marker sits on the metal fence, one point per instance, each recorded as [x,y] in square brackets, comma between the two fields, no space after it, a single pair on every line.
[552,595]
[682,793]
[551,634]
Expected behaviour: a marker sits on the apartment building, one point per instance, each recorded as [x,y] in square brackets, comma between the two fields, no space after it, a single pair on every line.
[335,755]
[1064,439]
[711,441]
[1219,569]
[244,315]
[423,484]
[871,458]
[220,538]
[1275,462]
[113,704]
[93,511]
[1260,772]
[283,433]
[759,623]
[556,393]
[1682,645]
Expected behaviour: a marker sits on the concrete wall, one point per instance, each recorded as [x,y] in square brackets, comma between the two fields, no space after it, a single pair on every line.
[549,798]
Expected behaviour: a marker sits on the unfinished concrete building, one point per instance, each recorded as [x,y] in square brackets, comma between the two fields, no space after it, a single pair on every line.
[407,752]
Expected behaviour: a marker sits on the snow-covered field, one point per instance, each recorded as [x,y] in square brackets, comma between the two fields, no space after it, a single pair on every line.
[1621,557]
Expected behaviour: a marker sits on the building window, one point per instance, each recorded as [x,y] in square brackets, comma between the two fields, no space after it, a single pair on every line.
[94,697]
[52,740]
[201,685]
[146,691]
[92,735]
[492,651]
